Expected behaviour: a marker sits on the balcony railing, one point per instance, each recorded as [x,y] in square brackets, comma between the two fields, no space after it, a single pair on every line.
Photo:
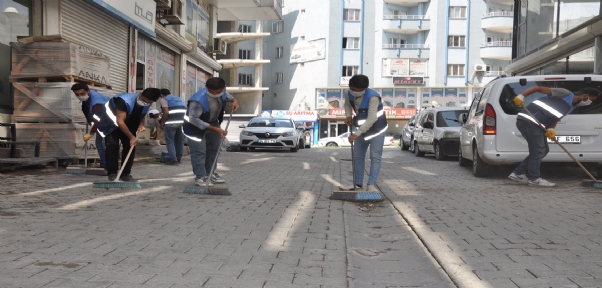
[405,17]
[493,73]
[405,46]
[499,14]
[497,44]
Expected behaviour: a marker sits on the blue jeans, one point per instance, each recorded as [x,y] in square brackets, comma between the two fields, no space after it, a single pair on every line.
[203,153]
[174,140]
[538,148]
[360,146]
[100,147]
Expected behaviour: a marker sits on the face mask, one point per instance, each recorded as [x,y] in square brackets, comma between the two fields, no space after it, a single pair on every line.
[83,98]
[213,95]
[584,103]
[142,103]
[357,93]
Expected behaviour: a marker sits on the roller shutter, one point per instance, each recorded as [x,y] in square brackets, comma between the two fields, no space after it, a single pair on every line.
[85,24]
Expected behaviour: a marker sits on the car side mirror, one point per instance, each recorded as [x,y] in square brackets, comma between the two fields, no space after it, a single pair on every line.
[241,126]
[427,125]
[462,118]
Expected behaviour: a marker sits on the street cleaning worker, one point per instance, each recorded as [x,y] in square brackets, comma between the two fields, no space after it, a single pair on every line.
[174,109]
[118,121]
[371,124]
[92,101]
[548,110]
[202,128]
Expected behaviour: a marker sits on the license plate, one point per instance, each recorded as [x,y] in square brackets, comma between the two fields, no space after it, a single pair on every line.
[266,141]
[567,139]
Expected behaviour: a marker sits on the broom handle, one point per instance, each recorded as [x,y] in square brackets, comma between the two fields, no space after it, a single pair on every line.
[126,160]
[218,151]
[86,148]
[352,161]
[561,146]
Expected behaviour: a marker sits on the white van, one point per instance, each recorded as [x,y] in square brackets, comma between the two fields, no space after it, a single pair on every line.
[489,136]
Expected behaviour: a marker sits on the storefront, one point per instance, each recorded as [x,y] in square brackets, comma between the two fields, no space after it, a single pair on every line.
[156,66]
[195,79]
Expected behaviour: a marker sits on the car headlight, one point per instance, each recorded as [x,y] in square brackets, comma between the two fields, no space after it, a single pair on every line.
[451,134]
[247,133]
[288,134]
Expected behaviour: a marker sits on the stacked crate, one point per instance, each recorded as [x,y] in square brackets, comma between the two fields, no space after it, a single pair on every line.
[43,70]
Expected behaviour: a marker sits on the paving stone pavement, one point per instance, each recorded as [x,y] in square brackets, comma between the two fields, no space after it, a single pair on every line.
[439,226]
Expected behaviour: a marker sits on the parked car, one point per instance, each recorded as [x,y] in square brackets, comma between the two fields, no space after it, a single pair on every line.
[265,132]
[304,134]
[341,140]
[437,130]
[489,136]
[407,134]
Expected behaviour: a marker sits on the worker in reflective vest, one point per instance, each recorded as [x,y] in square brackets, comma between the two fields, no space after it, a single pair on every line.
[202,128]
[371,124]
[92,102]
[118,121]
[547,110]
[174,109]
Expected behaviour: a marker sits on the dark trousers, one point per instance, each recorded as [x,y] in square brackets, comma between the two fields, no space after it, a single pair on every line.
[112,152]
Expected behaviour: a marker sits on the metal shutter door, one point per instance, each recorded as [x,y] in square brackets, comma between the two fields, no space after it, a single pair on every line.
[87,25]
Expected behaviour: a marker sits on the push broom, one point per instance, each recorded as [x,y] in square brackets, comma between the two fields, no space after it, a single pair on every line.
[354,194]
[223,191]
[118,183]
[586,183]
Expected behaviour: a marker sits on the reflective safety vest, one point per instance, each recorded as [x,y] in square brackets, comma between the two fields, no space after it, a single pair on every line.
[193,132]
[177,109]
[547,110]
[107,121]
[361,114]
[95,99]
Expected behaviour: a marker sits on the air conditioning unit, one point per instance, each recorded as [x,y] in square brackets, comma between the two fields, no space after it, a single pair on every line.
[219,46]
[480,68]
[173,15]
[163,4]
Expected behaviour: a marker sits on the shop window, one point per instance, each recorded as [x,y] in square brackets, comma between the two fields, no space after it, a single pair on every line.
[140,68]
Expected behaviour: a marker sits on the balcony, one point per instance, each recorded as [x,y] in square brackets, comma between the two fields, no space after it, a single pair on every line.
[409,50]
[500,50]
[498,22]
[406,24]
[233,37]
[238,63]
[240,10]
[405,2]
[503,2]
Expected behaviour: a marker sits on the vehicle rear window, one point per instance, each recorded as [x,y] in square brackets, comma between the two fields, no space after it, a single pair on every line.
[449,118]
[513,89]
[271,123]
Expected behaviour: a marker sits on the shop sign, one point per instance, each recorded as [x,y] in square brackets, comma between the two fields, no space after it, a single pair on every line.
[400,113]
[305,51]
[139,13]
[304,116]
[408,80]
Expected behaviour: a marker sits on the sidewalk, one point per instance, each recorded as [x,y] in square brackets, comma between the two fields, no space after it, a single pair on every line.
[438,227]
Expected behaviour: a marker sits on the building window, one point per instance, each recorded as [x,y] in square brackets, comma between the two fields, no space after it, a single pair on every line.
[244,28]
[350,70]
[279,77]
[455,70]
[457,12]
[456,41]
[352,15]
[351,43]
[277,27]
[279,51]
[245,79]
[245,54]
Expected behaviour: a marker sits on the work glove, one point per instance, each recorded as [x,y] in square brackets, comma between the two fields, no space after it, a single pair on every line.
[519,100]
[87,137]
[551,133]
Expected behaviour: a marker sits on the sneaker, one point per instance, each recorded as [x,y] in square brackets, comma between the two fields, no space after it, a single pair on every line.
[112,177]
[350,188]
[215,178]
[172,163]
[127,178]
[520,177]
[202,182]
[372,188]
[541,182]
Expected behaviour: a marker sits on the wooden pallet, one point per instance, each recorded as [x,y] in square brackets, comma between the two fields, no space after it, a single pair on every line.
[58,78]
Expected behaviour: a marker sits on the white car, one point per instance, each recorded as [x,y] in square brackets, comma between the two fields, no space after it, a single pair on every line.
[266,132]
[341,140]
[437,130]
[489,136]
